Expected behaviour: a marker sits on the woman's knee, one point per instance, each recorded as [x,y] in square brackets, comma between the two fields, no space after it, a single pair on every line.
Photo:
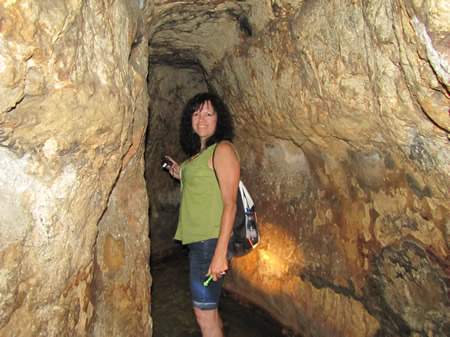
[207,318]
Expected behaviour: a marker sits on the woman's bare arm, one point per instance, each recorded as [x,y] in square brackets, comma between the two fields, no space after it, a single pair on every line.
[227,168]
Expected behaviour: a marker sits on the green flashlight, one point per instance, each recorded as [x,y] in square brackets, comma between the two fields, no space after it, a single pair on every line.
[207,281]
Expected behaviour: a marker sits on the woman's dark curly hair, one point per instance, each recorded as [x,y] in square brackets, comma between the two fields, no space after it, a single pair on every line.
[190,141]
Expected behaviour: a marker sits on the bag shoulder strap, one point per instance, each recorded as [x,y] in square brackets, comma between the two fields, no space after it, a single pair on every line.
[214,167]
[246,198]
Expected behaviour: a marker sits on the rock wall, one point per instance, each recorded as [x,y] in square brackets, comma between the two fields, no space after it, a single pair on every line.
[342,118]
[74,244]
[169,89]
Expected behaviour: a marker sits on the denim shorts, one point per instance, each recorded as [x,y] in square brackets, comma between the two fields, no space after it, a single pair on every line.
[200,256]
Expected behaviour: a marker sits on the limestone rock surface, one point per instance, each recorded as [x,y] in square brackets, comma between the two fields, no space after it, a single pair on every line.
[74,244]
[342,123]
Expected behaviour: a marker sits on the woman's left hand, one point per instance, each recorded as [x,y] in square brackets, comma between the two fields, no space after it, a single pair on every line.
[218,267]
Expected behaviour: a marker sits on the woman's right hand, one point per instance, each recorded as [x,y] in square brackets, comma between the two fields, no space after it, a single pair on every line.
[173,169]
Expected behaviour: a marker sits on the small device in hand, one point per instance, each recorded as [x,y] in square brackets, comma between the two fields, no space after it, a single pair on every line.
[165,162]
[208,280]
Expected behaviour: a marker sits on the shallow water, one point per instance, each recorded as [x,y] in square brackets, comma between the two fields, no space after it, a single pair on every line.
[173,315]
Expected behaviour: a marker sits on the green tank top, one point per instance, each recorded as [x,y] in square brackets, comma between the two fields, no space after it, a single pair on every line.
[201,200]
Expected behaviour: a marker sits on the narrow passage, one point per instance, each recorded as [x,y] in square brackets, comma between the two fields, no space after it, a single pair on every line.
[173,315]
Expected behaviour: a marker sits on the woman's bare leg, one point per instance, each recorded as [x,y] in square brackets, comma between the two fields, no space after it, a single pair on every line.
[210,322]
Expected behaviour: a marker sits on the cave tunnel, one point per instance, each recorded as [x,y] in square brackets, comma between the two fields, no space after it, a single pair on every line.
[341,113]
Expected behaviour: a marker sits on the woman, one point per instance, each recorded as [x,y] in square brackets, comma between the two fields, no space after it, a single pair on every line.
[207,211]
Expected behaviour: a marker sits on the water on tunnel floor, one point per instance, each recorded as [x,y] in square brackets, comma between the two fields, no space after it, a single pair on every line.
[173,315]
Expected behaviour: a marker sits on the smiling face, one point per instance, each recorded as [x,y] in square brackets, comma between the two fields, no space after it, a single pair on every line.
[204,122]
